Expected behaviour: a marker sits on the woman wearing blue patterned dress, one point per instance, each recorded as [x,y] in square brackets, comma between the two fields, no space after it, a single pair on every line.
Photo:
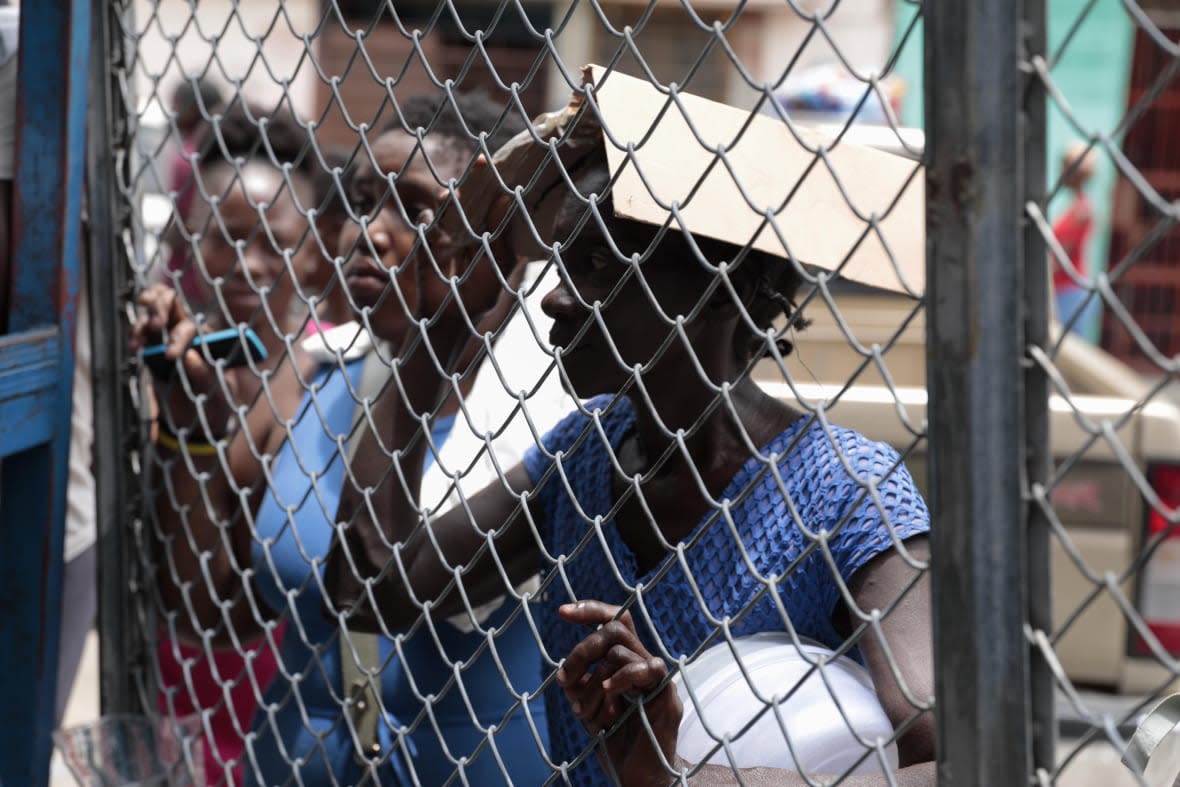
[680,500]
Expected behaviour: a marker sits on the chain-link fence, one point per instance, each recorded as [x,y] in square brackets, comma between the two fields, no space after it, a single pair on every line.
[493,418]
[1106,508]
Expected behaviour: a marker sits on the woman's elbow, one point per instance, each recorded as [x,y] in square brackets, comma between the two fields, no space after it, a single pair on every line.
[917,744]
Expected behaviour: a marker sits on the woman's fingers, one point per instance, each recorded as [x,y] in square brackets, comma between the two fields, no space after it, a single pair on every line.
[591,613]
[595,647]
[162,319]
[614,629]
[179,337]
[588,690]
[602,699]
[601,677]
[608,664]
[585,698]
[636,676]
[152,321]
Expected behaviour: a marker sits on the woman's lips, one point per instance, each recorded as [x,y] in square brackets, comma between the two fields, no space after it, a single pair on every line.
[566,339]
[238,291]
[366,279]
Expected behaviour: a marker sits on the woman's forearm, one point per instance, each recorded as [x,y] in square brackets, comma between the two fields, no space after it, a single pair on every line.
[200,554]
[378,502]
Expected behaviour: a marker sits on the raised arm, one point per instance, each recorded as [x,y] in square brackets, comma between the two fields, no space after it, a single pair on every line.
[385,542]
[489,542]
[201,497]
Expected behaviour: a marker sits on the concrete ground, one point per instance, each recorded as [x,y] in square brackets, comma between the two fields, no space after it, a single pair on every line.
[1097,765]
[82,708]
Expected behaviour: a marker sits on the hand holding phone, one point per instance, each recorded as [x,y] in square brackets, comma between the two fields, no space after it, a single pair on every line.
[235,346]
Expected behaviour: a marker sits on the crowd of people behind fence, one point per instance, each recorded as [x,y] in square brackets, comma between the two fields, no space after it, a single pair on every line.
[444,509]
[464,516]
[579,434]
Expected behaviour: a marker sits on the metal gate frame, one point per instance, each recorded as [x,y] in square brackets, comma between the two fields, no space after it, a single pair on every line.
[119,505]
[36,374]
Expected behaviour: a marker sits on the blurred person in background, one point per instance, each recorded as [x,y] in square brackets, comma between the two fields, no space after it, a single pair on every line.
[194,101]
[227,287]
[1076,306]
[267,500]
[79,579]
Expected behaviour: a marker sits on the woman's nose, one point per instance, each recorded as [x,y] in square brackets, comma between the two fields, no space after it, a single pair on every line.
[559,302]
[379,239]
[260,262]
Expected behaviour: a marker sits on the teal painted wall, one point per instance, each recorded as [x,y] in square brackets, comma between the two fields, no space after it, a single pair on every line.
[1093,75]
[909,64]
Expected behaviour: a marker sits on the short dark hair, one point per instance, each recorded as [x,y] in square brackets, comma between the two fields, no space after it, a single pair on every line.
[245,132]
[198,93]
[459,119]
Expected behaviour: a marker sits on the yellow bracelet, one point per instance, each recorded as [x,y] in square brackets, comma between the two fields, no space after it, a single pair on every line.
[191,447]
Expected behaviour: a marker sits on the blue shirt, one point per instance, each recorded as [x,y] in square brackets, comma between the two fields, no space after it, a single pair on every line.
[781,519]
[429,676]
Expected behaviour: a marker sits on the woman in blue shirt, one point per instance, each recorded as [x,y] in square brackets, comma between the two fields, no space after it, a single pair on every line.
[250,485]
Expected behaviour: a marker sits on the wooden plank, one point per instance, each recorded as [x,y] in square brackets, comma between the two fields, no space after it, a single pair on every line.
[28,388]
[28,362]
[25,421]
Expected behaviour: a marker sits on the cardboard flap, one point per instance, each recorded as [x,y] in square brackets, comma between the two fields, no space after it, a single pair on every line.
[768,184]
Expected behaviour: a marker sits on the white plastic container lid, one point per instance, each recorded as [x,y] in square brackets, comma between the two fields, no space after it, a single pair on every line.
[822,738]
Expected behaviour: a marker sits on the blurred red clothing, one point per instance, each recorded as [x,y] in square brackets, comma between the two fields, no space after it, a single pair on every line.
[199,686]
[1073,229]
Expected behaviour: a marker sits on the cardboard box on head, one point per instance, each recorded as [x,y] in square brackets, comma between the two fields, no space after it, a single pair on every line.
[732,175]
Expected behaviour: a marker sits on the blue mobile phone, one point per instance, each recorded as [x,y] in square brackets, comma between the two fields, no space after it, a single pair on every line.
[236,347]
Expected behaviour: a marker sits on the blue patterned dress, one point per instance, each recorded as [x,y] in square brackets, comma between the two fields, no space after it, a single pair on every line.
[783,549]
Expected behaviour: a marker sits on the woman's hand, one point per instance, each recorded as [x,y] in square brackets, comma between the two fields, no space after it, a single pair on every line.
[164,320]
[479,269]
[603,676]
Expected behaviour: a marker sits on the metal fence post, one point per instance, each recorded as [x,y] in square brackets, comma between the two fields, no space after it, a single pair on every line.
[1039,454]
[974,93]
[116,440]
[35,438]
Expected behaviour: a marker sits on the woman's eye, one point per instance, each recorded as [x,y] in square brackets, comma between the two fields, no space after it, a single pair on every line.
[419,213]
[361,203]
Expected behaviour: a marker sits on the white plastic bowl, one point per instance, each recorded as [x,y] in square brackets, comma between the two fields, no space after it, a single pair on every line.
[822,739]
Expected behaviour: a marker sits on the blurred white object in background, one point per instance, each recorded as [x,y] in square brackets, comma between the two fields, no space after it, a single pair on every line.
[830,720]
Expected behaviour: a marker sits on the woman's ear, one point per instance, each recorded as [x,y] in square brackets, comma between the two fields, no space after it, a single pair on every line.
[723,303]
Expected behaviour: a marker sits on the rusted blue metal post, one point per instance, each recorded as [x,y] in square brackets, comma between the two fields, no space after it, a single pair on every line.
[36,374]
